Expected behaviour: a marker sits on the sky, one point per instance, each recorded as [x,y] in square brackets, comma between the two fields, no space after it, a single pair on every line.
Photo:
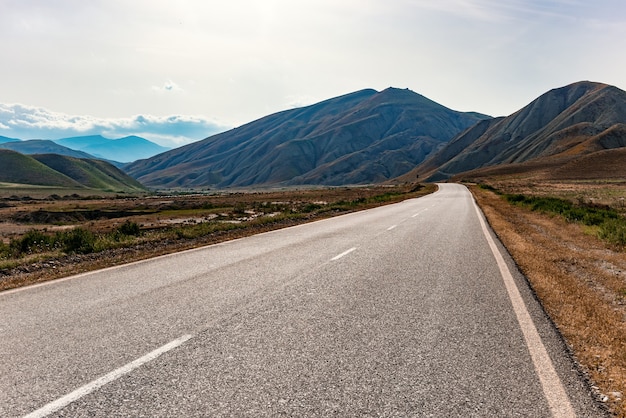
[182,70]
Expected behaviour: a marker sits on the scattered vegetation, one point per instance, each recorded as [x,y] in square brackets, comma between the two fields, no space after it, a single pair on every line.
[608,223]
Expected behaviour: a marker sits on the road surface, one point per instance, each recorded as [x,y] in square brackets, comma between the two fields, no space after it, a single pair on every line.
[404,310]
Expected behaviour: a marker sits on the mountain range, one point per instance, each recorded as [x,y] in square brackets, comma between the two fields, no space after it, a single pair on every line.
[118,151]
[362,137]
[572,132]
[42,146]
[124,150]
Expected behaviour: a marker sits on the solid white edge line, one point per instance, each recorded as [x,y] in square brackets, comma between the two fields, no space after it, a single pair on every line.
[108,378]
[337,257]
[553,389]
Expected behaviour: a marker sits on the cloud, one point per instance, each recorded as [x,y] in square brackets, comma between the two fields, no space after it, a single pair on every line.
[29,122]
[168,87]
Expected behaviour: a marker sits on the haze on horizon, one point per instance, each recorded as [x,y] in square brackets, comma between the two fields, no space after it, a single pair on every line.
[174,72]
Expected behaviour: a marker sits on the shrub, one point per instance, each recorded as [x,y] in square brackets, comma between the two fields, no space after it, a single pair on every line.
[310,207]
[129,228]
[4,250]
[33,241]
[487,187]
[614,231]
[79,240]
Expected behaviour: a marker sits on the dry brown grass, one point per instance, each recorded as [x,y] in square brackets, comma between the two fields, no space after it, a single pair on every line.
[580,281]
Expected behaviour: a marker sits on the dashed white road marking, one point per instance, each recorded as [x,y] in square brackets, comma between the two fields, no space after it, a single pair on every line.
[419,213]
[392,227]
[108,378]
[553,389]
[343,254]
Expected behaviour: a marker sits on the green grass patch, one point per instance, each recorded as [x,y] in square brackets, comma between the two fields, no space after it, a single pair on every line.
[609,224]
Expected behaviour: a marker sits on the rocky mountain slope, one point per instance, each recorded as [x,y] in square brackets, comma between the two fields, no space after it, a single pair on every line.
[362,137]
[563,124]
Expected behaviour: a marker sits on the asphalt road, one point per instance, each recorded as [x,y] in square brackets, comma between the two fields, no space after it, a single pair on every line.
[397,311]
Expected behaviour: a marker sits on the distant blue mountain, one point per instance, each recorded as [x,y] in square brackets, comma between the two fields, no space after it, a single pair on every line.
[127,149]
[42,146]
[5,139]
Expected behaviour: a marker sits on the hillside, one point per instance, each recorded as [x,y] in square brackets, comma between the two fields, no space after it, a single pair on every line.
[609,164]
[52,170]
[362,137]
[42,146]
[125,150]
[23,169]
[562,125]
[93,174]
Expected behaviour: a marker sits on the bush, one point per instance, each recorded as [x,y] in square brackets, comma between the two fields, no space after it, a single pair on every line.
[310,207]
[79,240]
[487,187]
[33,241]
[515,198]
[4,250]
[614,231]
[129,228]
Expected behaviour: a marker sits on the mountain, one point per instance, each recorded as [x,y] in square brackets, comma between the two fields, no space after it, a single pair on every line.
[362,137]
[42,146]
[55,170]
[5,139]
[561,125]
[127,149]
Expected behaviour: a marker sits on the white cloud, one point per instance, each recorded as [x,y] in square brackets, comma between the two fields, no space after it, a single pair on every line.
[29,122]
[168,87]
[241,60]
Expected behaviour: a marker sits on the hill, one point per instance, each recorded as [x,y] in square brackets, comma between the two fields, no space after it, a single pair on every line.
[559,127]
[362,137]
[125,150]
[42,146]
[52,170]
[93,174]
[23,169]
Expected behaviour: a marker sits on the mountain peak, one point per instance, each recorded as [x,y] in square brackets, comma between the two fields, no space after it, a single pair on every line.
[565,122]
[358,138]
